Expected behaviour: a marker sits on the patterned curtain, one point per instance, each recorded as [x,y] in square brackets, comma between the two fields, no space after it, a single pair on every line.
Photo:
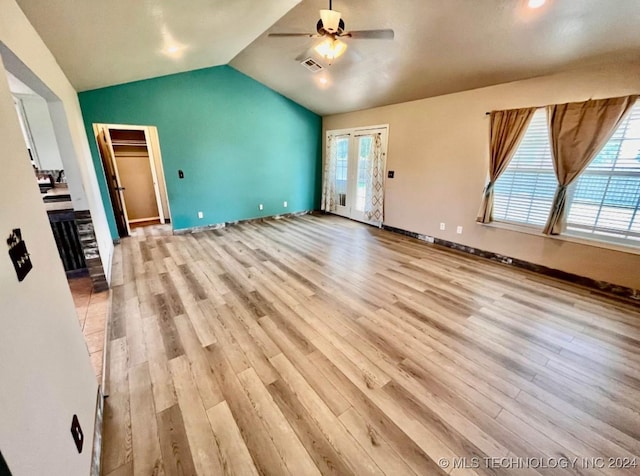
[374,203]
[329,177]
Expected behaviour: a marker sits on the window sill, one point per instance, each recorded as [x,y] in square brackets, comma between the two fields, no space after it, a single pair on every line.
[531,230]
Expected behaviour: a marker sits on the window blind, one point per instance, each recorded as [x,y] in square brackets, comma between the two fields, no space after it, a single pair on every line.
[524,192]
[606,197]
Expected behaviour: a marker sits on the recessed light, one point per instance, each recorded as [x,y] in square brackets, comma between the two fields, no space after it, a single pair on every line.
[323,80]
[174,51]
[536,3]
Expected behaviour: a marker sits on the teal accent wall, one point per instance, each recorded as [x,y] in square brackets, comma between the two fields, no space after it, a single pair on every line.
[238,142]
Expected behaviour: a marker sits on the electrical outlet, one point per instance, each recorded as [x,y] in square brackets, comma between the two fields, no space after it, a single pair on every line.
[443,226]
[261,207]
[285,204]
[200,215]
[459,230]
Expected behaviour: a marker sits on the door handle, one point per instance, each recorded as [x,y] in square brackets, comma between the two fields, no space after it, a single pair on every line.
[119,189]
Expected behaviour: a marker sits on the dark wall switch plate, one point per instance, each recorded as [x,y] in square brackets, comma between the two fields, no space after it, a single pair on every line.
[391,173]
[180,174]
[76,433]
[19,254]
[4,469]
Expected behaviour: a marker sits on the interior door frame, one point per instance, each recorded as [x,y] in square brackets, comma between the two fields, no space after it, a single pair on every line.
[349,211]
[152,164]
[113,180]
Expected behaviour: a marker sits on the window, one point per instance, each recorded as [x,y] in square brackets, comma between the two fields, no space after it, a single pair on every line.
[524,192]
[603,202]
[342,154]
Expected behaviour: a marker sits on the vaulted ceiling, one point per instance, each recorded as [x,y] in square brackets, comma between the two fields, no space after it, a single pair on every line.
[440,46]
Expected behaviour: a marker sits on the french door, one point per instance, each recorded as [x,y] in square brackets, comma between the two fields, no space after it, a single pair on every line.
[353,182]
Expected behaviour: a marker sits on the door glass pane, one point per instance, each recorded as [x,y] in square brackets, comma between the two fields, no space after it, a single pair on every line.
[364,170]
[342,168]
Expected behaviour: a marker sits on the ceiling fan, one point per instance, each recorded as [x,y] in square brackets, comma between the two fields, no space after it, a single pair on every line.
[331,27]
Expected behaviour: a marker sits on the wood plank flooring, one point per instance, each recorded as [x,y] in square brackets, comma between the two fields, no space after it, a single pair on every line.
[317,345]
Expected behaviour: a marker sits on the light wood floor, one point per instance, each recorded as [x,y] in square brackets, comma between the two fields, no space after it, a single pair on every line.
[91,308]
[317,345]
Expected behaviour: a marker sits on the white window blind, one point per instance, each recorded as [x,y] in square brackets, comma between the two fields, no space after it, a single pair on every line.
[605,200]
[524,192]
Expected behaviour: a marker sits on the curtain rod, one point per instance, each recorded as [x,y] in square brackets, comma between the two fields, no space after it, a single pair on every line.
[547,105]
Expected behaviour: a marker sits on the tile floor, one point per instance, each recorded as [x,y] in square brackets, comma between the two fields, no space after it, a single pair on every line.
[92,312]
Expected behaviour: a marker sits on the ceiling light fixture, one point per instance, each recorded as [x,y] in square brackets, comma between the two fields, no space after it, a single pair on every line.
[174,51]
[331,48]
[330,20]
[536,3]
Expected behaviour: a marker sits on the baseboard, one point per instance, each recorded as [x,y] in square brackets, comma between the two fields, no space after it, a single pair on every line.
[217,226]
[600,286]
[106,348]
[96,455]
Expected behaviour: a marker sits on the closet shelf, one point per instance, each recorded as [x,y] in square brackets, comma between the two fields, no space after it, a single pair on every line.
[129,143]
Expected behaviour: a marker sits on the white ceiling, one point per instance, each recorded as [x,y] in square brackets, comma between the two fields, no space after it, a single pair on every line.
[441,46]
[102,43]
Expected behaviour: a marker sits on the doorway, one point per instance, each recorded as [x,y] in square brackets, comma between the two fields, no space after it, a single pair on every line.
[45,131]
[135,177]
[353,155]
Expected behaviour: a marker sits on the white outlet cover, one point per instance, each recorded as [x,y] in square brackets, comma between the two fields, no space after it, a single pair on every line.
[442,226]
[260,207]
[200,215]
[285,204]
[459,230]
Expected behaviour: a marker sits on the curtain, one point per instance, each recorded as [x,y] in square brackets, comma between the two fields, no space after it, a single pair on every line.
[507,130]
[374,201]
[577,132]
[329,177]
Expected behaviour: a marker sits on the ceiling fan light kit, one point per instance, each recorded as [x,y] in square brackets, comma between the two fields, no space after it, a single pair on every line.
[331,49]
[331,28]
[330,20]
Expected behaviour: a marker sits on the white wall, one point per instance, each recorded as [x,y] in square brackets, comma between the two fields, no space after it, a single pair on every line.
[45,371]
[26,56]
[36,112]
[439,149]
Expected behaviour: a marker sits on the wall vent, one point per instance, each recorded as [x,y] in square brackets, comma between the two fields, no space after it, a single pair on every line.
[311,65]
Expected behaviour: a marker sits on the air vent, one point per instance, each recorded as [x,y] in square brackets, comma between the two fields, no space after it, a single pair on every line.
[311,65]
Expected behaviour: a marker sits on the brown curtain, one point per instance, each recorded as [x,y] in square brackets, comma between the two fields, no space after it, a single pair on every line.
[507,130]
[577,132]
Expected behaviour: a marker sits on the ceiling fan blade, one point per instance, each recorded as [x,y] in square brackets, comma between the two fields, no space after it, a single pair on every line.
[371,34]
[290,35]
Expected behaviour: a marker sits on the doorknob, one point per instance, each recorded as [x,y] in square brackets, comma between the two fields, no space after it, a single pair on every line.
[120,189]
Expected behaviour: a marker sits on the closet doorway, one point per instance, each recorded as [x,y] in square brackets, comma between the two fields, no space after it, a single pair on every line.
[135,178]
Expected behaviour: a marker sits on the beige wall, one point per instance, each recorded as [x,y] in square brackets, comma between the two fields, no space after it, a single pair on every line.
[438,148]
[45,372]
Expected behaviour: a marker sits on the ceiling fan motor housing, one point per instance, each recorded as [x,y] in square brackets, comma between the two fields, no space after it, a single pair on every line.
[323,31]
